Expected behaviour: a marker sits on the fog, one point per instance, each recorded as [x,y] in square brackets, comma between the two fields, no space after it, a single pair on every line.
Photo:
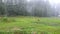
[41,8]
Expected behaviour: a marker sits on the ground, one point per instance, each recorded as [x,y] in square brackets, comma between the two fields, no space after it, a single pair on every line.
[36,25]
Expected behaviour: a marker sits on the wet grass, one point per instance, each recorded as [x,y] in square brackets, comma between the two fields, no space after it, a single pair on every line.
[30,25]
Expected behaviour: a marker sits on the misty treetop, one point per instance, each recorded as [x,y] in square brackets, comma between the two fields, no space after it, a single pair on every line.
[41,8]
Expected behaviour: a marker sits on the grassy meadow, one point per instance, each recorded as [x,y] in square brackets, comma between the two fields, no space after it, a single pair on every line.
[30,25]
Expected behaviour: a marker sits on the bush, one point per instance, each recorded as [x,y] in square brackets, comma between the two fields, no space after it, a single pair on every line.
[4,19]
[7,20]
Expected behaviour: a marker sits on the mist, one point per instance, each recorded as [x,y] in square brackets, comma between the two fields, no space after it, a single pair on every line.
[41,8]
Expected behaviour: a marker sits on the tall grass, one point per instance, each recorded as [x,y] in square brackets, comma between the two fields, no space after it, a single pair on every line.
[29,25]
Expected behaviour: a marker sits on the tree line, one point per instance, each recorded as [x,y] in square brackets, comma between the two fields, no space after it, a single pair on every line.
[38,8]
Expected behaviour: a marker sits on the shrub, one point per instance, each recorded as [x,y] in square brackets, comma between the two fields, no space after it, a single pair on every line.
[7,20]
[4,19]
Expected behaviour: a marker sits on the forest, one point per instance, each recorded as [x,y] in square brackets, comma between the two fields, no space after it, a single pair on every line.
[38,8]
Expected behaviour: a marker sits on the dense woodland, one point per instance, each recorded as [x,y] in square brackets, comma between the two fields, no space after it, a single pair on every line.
[40,8]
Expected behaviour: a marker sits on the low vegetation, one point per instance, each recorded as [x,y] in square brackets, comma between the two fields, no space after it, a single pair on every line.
[30,25]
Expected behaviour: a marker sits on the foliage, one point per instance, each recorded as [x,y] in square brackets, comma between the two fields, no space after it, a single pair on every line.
[22,8]
[7,20]
[32,25]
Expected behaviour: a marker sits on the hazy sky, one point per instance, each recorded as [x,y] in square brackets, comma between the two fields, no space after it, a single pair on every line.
[51,1]
[54,1]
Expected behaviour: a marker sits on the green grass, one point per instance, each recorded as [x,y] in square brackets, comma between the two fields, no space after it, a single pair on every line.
[38,25]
